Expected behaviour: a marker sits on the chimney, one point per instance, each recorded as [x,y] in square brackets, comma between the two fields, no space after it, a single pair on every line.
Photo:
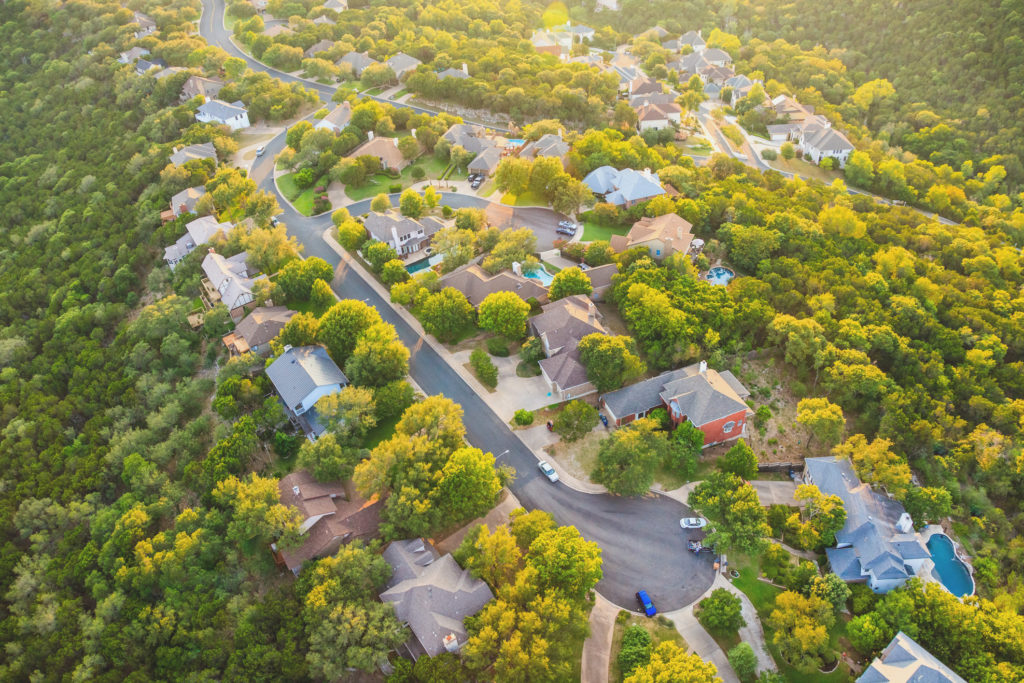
[295,490]
[212,250]
[287,348]
[465,69]
[369,135]
[591,312]
[703,367]
[451,643]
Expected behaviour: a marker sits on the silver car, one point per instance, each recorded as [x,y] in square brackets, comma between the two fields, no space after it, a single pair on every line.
[548,471]
[693,522]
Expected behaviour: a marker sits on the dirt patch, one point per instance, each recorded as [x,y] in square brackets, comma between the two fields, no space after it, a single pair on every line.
[578,457]
[613,321]
[771,383]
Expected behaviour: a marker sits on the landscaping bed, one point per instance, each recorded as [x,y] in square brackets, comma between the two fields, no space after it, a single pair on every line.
[302,199]
[660,628]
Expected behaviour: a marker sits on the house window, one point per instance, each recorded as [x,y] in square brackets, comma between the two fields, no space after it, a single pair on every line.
[728,426]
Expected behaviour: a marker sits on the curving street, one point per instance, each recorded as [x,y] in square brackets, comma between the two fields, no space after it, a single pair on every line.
[642,544]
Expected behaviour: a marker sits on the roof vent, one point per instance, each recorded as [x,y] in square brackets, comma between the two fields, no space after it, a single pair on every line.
[287,348]
[703,367]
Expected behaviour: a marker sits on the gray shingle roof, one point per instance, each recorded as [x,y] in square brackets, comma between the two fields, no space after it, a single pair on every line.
[701,397]
[381,225]
[299,371]
[358,61]
[469,136]
[263,324]
[222,111]
[452,73]
[563,323]
[203,150]
[565,369]
[904,660]
[623,186]
[431,594]
[486,161]
[402,63]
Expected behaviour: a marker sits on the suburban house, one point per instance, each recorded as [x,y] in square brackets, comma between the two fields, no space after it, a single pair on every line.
[324,19]
[234,115]
[302,376]
[555,43]
[332,514]
[199,231]
[611,5]
[656,33]
[359,61]
[625,74]
[694,40]
[579,32]
[129,56]
[486,162]
[662,236]
[144,66]
[167,71]
[337,119]
[185,201]
[385,149]
[877,545]
[819,142]
[712,73]
[146,25]
[711,401]
[550,145]
[318,47]
[432,595]
[337,5]
[560,326]
[197,85]
[475,283]
[601,279]
[227,280]
[623,188]
[260,6]
[904,661]
[452,72]
[795,116]
[642,85]
[406,235]
[277,30]
[638,101]
[658,116]
[403,64]
[716,56]
[694,63]
[257,329]
[590,60]
[203,150]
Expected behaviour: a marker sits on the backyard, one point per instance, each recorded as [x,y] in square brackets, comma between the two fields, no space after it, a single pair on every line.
[593,231]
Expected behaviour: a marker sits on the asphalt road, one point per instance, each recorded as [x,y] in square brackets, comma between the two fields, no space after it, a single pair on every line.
[642,544]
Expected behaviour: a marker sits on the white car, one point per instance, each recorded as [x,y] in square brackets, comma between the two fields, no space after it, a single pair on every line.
[260,151]
[548,471]
[693,522]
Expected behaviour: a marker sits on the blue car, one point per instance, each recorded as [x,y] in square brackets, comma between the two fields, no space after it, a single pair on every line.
[646,603]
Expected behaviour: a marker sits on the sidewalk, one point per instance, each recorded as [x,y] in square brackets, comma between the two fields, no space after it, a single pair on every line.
[597,648]
[753,632]
[701,643]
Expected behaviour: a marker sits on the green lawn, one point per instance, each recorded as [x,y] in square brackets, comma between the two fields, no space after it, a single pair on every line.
[382,432]
[805,169]
[528,198]
[595,231]
[302,200]
[381,182]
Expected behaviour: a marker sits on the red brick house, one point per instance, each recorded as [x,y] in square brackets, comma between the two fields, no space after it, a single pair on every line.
[712,401]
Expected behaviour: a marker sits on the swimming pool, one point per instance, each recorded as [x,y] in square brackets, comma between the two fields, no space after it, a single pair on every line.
[516,143]
[541,275]
[720,276]
[423,264]
[950,570]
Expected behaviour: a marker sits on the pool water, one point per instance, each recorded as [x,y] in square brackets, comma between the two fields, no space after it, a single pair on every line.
[516,143]
[541,275]
[949,569]
[720,276]
[423,264]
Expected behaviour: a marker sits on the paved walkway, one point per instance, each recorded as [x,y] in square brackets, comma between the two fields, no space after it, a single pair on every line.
[701,643]
[597,649]
[753,632]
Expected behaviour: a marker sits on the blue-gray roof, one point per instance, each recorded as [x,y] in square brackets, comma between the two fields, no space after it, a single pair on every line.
[627,185]
[297,372]
[701,397]
[904,660]
[222,110]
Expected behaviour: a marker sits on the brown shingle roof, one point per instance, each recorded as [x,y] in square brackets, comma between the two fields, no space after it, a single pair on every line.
[263,324]
[385,149]
[672,230]
[563,323]
[476,284]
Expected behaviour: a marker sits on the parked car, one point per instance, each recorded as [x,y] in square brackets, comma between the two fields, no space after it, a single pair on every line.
[693,522]
[571,230]
[476,183]
[260,151]
[274,220]
[548,471]
[646,603]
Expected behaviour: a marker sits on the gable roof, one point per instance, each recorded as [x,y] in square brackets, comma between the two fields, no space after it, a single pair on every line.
[476,284]
[692,38]
[486,161]
[657,112]
[198,85]
[671,229]
[652,98]
[904,660]
[402,63]
[431,594]
[385,149]
[143,21]
[563,323]
[389,225]
[601,276]
[337,118]
[187,198]
[222,111]
[199,231]
[332,514]
[319,46]
[549,145]
[469,136]
[263,324]
[870,530]
[565,370]
[299,371]
[713,392]
[642,85]
[203,150]
[337,5]
[130,55]
[230,277]
[824,139]
[715,54]
[358,61]
[452,72]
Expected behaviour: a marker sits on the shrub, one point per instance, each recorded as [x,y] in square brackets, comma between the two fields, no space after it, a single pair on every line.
[304,178]
[636,649]
[721,612]
[761,417]
[862,598]
[743,660]
[447,211]
[498,346]
[485,370]
[394,189]
[660,415]
[576,420]
[523,417]
[769,154]
[532,350]
[321,205]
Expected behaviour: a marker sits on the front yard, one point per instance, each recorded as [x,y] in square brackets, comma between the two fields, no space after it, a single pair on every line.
[596,231]
[381,182]
[660,628]
[805,169]
[528,198]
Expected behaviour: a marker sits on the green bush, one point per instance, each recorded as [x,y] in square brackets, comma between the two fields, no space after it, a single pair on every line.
[769,154]
[304,178]
[394,189]
[862,598]
[743,661]
[761,417]
[660,415]
[447,211]
[498,346]
[532,350]
[523,417]
[721,612]
[636,649]
[485,370]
